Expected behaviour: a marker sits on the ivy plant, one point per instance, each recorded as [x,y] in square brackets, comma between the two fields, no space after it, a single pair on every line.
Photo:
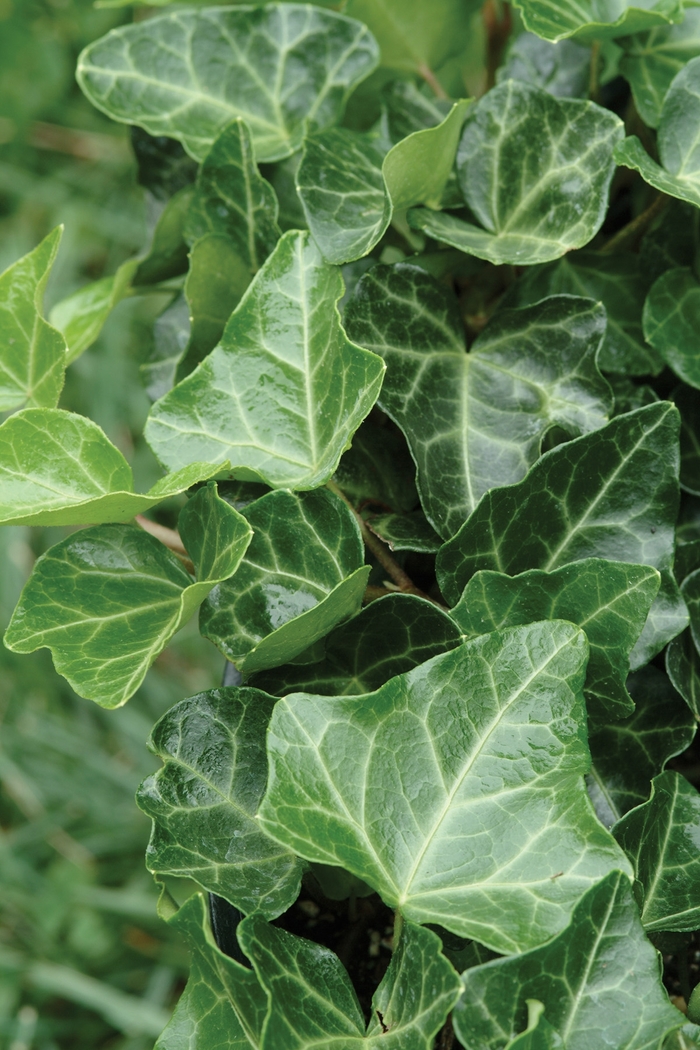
[425,399]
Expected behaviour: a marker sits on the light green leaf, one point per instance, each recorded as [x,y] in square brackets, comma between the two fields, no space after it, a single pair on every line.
[609,600]
[204,799]
[232,198]
[661,840]
[475,420]
[32,353]
[563,69]
[390,636]
[313,1003]
[437,825]
[677,141]
[350,189]
[626,755]
[671,320]
[413,37]
[616,280]
[189,73]
[683,668]
[599,982]
[406,532]
[651,61]
[596,19]
[107,600]
[57,468]
[300,578]
[535,171]
[81,317]
[223,1006]
[283,393]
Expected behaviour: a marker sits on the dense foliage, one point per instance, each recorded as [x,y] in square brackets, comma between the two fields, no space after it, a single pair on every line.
[424,395]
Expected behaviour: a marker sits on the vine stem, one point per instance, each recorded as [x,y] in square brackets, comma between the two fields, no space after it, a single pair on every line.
[430,79]
[628,236]
[168,537]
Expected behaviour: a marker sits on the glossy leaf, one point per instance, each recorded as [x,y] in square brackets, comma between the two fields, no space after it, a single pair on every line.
[32,352]
[313,1003]
[436,822]
[107,600]
[406,532]
[476,420]
[301,576]
[390,636]
[678,173]
[598,980]
[232,198]
[189,73]
[562,69]
[651,61]
[350,189]
[671,319]
[535,171]
[81,317]
[683,668]
[609,600]
[662,841]
[283,393]
[58,468]
[596,19]
[413,37]
[204,799]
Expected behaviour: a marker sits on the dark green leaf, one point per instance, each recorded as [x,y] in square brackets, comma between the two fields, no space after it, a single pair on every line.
[405,109]
[406,532]
[651,61]
[671,241]
[539,1034]
[683,667]
[687,401]
[561,69]
[596,19]
[671,320]
[378,468]
[167,256]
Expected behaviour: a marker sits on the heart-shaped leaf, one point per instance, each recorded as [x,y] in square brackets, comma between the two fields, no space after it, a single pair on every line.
[671,319]
[476,420]
[189,73]
[651,61]
[436,822]
[107,600]
[284,391]
[596,19]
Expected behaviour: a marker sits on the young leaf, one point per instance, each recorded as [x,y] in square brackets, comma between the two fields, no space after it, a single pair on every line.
[301,576]
[660,838]
[421,788]
[350,190]
[81,317]
[683,668]
[406,532]
[596,19]
[609,600]
[563,69]
[313,1003]
[678,175]
[535,171]
[651,61]
[57,468]
[32,353]
[476,420]
[598,980]
[107,600]
[392,635]
[671,319]
[189,73]
[284,391]
[204,799]
[232,198]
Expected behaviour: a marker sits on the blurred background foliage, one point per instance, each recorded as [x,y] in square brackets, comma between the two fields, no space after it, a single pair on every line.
[84,960]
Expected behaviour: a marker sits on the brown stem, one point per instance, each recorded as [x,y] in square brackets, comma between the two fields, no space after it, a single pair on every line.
[446,1036]
[630,234]
[498,24]
[372,592]
[432,81]
[168,537]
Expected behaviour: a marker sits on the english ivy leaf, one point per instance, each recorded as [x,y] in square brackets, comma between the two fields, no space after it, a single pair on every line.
[313,1003]
[414,38]
[671,319]
[678,175]
[671,241]
[611,494]
[683,667]
[301,576]
[284,391]
[223,1006]
[539,1034]
[107,600]
[171,336]
[563,69]
[58,468]
[598,980]
[32,352]
[616,280]
[406,532]
[232,198]
[596,19]
[204,799]
[627,755]
[81,317]
[189,73]
[609,600]
[350,189]
[651,61]
[378,468]
[535,171]
[167,256]
[436,825]
[687,401]
[390,636]
[476,420]
[660,838]
[405,109]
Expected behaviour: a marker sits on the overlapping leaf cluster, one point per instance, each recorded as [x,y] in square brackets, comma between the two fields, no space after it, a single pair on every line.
[435,407]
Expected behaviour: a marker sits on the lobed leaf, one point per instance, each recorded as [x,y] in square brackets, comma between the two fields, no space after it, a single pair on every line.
[651,61]
[596,19]
[671,317]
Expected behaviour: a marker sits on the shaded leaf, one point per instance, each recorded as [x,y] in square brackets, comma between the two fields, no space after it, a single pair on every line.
[406,532]
[683,668]
[284,391]
[167,255]
[406,109]
[412,36]
[597,20]
[671,319]
[81,317]
[189,73]
[378,468]
[688,402]
[651,61]
[671,240]
[562,69]
[539,1034]
[436,823]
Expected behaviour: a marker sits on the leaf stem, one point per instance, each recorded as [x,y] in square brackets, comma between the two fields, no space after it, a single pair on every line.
[630,234]
[430,79]
[168,537]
